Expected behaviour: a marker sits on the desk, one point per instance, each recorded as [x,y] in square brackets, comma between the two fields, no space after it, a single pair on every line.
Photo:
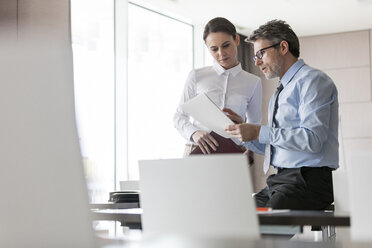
[305,218]
[181,242]
[327,220]
[128,217]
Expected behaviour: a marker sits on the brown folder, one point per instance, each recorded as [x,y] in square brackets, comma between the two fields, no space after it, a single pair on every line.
[225,146]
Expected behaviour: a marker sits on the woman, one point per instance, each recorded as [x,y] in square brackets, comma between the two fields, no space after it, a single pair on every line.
[225,83]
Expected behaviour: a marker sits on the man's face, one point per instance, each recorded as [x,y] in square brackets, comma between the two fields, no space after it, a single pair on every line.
[268,60]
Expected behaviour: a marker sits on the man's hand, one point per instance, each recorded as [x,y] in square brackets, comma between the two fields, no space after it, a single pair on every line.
[204,140]
[233,116]
[244,132]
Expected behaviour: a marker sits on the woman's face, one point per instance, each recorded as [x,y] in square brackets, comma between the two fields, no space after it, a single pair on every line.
[223,48]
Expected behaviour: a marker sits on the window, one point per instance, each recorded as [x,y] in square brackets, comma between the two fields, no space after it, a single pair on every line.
[160,56]
[93,52]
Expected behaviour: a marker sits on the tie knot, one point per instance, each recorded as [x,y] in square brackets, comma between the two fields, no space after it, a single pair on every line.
[280,87]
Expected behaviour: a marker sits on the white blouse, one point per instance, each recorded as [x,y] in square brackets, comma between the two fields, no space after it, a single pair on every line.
[234,88]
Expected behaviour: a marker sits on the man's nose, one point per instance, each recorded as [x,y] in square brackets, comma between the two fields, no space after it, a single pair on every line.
[257,62]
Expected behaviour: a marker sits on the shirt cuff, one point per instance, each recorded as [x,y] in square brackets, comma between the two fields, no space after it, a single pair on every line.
[264,136]
[255,146]
[190,131]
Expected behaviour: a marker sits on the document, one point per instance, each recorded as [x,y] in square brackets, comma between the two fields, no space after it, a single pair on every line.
[203,109]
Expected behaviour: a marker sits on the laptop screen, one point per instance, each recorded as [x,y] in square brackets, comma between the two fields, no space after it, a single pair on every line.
[199,196]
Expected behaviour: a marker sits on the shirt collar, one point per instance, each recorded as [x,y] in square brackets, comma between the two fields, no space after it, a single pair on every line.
[287,77]
[220,70]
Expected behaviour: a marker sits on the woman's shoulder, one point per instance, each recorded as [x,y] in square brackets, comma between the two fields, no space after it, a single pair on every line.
[199,73]
[202,70]
[250,76]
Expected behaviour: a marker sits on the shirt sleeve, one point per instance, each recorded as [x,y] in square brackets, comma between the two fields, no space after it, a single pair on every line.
[181,120]
[315,95]
[254,108]
[255,146]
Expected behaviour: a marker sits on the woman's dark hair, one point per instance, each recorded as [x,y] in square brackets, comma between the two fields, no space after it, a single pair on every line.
[219,24]
[275,31]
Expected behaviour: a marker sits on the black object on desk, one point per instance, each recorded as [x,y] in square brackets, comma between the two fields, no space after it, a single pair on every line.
[124,197]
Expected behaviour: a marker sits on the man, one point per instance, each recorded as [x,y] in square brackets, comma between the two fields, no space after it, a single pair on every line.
[301,137]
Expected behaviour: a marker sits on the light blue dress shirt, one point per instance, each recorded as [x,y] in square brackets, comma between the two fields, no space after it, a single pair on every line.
[307,121]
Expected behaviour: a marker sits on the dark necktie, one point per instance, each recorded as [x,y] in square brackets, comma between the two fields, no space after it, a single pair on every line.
[271,122]
[277,92]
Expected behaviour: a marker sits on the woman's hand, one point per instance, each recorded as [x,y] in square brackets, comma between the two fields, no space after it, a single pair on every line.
[233,116]
[204,140]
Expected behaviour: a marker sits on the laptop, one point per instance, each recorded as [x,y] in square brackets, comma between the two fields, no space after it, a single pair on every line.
[198,196]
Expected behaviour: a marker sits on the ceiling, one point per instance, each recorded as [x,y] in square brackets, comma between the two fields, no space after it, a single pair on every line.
[307,17]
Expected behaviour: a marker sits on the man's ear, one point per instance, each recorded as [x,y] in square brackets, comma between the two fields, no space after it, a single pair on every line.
[284,47]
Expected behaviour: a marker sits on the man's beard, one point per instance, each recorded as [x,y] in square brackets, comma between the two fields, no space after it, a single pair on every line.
[274,73]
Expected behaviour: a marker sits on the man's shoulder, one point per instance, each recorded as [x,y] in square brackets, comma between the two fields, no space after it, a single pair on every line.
[311,70]
[314,80]
[313,74]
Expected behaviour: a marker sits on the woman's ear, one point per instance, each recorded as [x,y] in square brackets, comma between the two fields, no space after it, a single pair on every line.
[237,39]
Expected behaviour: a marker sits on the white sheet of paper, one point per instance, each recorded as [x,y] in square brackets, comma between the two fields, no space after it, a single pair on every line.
[202,109]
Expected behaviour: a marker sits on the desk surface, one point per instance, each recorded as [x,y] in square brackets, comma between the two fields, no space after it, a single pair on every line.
[181,242]
[132,217]
[305,217]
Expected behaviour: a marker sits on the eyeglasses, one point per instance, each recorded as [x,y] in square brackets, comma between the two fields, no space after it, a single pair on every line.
[261,52]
